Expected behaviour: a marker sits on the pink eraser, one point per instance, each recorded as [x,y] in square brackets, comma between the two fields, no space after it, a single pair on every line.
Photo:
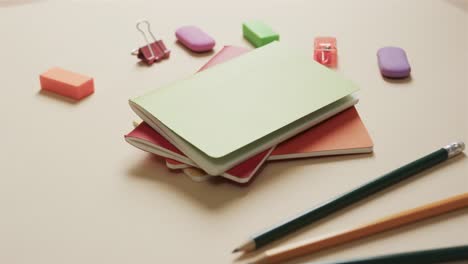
[195,39]
[67,83]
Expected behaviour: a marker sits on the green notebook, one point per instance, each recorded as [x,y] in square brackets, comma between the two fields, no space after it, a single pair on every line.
[226,114]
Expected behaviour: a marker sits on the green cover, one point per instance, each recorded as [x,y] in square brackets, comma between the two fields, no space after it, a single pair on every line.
[238,102]
[258,33]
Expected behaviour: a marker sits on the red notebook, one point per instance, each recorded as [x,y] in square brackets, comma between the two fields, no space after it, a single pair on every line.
[147,139]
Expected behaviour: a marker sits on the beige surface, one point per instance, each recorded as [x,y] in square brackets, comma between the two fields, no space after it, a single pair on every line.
[72,191]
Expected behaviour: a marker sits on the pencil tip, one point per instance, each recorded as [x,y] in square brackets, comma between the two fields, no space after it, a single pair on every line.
[246,247]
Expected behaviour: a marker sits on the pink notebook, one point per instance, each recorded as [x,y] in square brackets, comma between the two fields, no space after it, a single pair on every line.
[342,134]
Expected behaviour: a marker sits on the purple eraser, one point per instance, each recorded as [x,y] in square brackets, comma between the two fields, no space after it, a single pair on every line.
[195,39]
[393,62]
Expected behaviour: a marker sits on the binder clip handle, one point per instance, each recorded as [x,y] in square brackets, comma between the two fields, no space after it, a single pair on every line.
[148,29]
[155,50]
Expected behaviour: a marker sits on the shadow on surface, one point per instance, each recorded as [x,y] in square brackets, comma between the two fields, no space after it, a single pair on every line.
[192,53]
[408,79]
[462,4]
[143,64]
[212,194]
[60,98]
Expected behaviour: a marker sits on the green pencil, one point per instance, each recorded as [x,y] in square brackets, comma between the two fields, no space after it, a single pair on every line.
[344,200]
[416,257]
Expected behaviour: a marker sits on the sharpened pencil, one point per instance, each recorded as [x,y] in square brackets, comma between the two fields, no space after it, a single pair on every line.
[323,210]
[302,248]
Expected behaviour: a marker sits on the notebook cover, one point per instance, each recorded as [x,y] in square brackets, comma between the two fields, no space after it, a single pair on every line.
[274,70]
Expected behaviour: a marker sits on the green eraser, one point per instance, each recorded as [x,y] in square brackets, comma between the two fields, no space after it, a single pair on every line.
[258,33]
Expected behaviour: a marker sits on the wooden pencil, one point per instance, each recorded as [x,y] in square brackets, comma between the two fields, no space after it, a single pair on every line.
[293,250]
[344,200]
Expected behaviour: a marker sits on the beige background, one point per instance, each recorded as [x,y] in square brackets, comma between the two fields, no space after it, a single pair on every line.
[72,191]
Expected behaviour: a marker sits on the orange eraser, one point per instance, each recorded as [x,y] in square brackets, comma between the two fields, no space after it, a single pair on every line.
[67,83]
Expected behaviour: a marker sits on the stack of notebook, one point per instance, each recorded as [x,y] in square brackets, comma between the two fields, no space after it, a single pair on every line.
[271,103]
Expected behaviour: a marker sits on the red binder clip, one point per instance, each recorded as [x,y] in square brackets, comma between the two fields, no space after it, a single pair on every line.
[153,51]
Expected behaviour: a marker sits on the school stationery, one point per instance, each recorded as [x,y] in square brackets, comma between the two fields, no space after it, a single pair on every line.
[244,93]
[344,133]
[358,194]
[258,33]
[325,51]
[153,51]
[393,62]
[194,39]
[67,83]
[293,250]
